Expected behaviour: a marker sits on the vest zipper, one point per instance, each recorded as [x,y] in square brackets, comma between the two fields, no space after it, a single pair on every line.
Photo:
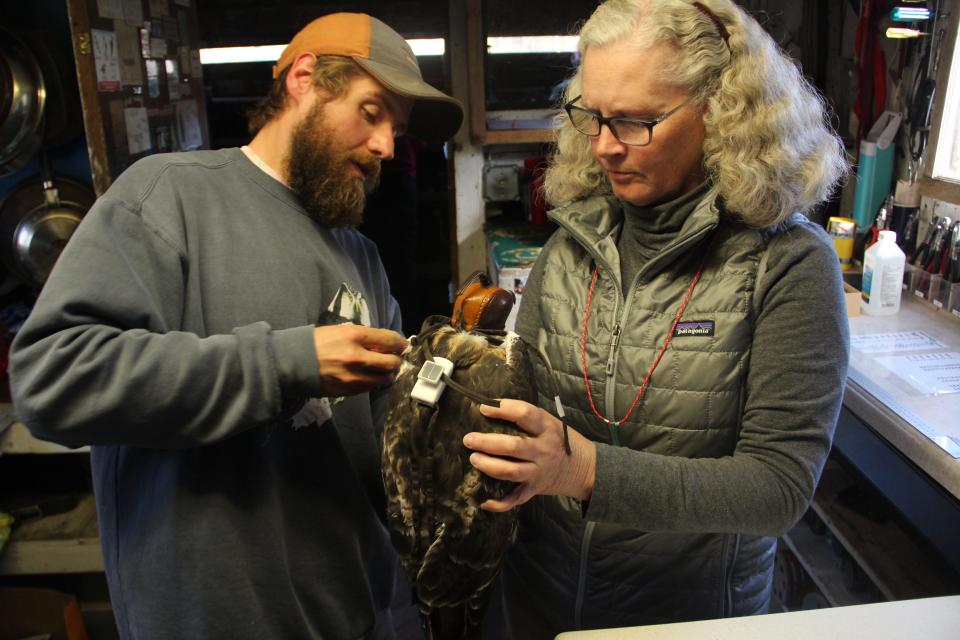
[611,367]
[582,575]
[610,388]
[613,349]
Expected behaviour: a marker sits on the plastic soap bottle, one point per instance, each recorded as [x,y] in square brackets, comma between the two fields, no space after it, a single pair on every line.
[883,266]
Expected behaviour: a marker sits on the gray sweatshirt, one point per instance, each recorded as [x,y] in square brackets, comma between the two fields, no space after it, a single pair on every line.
[175,335]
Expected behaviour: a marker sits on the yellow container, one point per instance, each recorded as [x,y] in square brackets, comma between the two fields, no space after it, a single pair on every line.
[843,232]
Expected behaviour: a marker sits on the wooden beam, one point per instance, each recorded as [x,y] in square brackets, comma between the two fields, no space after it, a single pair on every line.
[89,97]
[476,49]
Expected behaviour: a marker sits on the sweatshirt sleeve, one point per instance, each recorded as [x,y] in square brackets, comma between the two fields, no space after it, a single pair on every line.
[100,360]
[794,390]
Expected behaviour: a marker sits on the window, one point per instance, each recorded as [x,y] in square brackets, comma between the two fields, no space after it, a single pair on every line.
[946,162]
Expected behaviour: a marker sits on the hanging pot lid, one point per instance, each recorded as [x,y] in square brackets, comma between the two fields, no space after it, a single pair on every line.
[37,218]
[40,237]
[22,99]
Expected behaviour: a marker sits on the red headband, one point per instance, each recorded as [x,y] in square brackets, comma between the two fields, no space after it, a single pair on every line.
[716,21]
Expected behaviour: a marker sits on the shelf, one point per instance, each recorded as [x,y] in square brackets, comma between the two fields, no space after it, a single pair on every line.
[476,108]
[62,543]
[16,438]
[517,136]
[821,565]
[890,556]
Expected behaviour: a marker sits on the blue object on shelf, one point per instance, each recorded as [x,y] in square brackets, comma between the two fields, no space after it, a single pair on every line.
[910,14]
[875,169]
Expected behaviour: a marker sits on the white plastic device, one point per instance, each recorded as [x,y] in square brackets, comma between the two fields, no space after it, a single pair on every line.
[430,382]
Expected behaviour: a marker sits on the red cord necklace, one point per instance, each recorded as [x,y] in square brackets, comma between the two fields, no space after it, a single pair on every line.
[666,342]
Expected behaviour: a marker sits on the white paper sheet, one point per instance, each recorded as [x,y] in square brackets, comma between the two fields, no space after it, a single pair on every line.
[929,373]
[894,342]
[138,130]
[106,59]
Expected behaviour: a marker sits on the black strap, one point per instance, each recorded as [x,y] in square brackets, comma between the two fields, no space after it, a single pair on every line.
[479,398]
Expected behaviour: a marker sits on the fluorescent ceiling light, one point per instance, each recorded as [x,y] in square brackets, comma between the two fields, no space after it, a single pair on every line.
[271,53]
[420,46]
[428,46]
[531,44]
[226,55]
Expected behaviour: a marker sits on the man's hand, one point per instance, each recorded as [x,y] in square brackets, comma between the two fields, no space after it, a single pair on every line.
[353,359]
[538,461]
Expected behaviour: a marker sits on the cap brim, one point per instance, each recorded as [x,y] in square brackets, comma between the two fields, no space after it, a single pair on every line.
[435,117]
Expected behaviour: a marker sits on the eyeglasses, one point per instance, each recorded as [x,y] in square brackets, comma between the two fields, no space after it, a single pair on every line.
[635,132]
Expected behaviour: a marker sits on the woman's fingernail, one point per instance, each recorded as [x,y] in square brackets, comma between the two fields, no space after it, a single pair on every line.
[468,439]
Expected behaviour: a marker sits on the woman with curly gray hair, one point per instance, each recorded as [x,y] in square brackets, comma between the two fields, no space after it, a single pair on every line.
[694,320]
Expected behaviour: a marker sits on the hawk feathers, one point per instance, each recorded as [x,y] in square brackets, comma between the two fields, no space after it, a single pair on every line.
[450,548]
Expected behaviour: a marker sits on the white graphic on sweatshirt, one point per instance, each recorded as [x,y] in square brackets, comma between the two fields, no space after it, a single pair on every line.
[350,305]
[315,412]
[347,306]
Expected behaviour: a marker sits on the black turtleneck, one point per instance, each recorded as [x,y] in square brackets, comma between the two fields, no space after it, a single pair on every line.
[647,230]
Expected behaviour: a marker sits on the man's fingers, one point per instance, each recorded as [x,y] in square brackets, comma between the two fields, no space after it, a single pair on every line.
[353,359]
[382,362]
[383,341]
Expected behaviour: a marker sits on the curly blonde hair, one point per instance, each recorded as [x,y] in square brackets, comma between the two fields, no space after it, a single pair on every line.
[769,148]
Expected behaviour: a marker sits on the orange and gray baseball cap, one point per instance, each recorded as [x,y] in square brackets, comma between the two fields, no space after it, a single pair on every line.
[384,54]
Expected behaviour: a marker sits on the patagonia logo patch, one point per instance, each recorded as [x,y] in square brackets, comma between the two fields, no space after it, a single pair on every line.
[694,328]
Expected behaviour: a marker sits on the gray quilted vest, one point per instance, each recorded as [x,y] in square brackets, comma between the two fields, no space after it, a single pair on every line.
[691,408]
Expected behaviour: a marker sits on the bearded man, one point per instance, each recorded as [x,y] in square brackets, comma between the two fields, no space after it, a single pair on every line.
[234,453]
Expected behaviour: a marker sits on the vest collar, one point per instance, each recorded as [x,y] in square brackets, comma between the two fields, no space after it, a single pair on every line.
[595,224]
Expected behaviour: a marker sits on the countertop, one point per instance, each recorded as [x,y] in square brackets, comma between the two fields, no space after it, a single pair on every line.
[927,618]
[917,417]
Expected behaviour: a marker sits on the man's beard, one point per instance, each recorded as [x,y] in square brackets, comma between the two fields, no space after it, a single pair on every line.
[321,173]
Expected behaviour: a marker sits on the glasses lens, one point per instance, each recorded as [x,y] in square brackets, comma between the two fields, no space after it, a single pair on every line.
[632,132]
[584,121]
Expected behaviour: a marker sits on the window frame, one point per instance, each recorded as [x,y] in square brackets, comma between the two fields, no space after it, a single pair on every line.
[942,187]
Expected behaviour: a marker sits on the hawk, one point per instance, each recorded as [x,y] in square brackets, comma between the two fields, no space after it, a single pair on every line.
[450,548]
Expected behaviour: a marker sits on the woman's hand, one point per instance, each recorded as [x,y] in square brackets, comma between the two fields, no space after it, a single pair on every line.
[537,462]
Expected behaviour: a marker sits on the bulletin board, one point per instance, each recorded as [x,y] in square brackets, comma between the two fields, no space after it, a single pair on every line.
[141,85]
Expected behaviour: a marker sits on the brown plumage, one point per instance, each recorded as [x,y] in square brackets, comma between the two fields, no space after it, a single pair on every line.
[450,548]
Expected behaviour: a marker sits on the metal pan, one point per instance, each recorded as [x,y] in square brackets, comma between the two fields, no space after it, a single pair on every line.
[22,99]
[37,218]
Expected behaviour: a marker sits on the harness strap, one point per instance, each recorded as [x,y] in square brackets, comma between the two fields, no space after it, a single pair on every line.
[479,398]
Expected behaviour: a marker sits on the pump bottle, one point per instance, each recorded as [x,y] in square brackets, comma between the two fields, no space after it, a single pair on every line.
[883,265]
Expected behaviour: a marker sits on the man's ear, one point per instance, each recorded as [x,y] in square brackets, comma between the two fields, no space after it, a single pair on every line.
[299,82]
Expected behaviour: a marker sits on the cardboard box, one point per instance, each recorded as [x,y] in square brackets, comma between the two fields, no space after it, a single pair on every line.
[851,296]
[30,612]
